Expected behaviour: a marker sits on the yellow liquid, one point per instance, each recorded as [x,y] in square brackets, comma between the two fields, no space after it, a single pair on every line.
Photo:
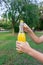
[22,37]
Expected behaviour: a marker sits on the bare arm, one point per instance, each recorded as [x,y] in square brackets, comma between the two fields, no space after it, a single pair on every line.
[35,54]
[36,38]
[32,34]
[25,47]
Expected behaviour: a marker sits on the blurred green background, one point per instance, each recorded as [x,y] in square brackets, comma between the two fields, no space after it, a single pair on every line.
[11,12]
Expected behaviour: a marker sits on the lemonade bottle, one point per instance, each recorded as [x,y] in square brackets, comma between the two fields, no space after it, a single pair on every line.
[21,34]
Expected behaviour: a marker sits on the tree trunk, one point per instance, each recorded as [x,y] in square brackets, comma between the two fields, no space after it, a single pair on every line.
[13,23]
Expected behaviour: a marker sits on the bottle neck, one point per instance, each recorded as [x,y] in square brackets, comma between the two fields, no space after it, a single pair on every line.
[21,27]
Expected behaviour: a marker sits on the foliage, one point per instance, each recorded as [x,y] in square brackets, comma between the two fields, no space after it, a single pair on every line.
[22,9]
[16,27]
[5,25]
[41,24]
[40,16]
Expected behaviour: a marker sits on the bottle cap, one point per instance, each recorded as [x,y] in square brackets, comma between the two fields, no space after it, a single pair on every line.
[21,21]
[21,26]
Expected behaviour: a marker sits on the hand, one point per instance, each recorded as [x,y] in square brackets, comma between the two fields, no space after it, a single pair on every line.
[26,28]
[23,46]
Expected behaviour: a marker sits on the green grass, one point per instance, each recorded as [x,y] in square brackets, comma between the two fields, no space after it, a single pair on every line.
[9,55]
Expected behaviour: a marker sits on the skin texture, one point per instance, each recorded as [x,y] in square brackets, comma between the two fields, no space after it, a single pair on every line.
[35,38]
[25,47]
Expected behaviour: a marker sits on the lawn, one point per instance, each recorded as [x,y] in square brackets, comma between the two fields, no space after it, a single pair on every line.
[9,55]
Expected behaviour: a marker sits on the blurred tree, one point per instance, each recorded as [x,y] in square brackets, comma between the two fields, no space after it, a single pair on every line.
[22,9]
[41,15]
[41,9]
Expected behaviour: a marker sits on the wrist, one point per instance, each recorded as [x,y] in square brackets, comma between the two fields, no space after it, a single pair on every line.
[29,51]
[29,30]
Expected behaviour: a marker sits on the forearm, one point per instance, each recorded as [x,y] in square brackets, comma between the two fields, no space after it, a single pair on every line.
[35,54]
[34,37]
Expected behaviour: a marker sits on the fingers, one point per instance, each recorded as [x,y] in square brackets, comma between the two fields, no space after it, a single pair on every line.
[19,45]
[25,25]
[18,42]
[18,49]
